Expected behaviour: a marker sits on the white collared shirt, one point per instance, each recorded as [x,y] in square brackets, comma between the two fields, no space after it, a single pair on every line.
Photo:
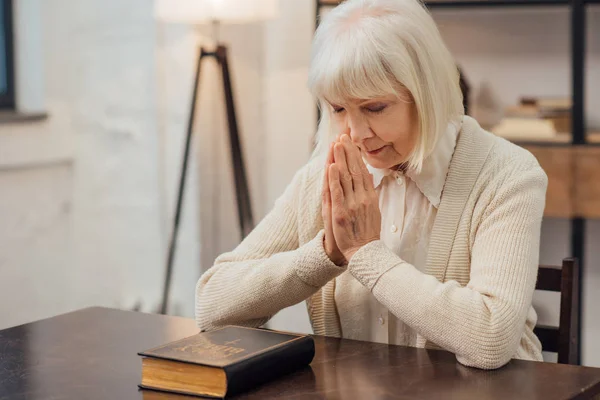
[408,204]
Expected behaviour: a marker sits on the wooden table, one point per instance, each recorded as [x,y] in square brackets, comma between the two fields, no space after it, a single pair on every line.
[91,354]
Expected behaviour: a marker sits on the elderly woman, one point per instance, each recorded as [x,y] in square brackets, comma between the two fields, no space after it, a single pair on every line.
[410,225]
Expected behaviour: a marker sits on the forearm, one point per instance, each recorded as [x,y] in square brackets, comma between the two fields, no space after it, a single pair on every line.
[482,330]
[250,291]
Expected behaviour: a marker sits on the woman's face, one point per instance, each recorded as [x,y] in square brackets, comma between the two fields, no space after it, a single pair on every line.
[384,128]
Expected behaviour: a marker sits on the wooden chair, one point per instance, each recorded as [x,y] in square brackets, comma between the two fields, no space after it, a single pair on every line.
[563,339]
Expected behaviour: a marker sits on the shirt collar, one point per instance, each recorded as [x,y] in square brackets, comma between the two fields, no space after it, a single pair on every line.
[432,177]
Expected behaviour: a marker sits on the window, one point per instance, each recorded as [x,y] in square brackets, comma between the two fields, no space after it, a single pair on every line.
[7,74]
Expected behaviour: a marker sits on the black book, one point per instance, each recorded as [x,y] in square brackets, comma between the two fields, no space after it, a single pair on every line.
[224,362]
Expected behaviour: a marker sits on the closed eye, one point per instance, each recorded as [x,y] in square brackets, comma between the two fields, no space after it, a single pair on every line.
[337,110]
[376,109]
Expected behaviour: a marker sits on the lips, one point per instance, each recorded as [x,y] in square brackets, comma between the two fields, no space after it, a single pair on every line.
[377,151]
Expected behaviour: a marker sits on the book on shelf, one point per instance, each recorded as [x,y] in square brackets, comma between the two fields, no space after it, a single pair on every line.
[534,118]
[225,361]
[548,103]
[525,129]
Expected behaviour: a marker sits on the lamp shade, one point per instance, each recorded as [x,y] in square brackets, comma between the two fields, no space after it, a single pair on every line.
[225,11]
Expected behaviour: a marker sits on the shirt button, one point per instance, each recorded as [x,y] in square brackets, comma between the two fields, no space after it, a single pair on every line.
[394,229]
[381,320]
[399,180]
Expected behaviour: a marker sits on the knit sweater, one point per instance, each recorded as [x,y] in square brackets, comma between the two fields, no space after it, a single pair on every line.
[474,298]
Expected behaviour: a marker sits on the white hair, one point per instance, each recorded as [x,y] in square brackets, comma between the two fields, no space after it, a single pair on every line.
[370,48]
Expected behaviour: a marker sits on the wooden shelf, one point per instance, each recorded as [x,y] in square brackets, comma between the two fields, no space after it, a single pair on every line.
[573,176]
[559,140]
[495,3]
[480,3]
[593,137]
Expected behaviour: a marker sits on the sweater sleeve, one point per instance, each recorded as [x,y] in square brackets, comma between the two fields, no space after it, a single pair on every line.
[483,322]
[267,272]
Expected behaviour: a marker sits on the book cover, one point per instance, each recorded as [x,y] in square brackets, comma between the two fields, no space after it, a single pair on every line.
[225,361]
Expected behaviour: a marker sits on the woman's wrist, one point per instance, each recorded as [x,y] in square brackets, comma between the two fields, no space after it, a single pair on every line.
[337,259]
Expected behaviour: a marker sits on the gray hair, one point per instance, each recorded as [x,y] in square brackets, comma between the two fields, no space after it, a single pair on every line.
[370,48]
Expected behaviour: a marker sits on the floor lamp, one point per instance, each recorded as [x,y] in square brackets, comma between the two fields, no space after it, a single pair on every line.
[216,12]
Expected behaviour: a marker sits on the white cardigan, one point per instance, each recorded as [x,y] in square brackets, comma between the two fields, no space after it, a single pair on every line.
[408,201]
[474,298]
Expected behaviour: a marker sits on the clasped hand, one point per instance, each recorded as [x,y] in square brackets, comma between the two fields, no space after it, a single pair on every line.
[350,203]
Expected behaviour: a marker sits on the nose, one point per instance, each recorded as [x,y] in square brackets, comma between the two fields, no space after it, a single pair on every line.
[358,128]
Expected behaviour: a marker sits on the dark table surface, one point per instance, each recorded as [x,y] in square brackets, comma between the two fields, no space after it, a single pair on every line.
[92,354]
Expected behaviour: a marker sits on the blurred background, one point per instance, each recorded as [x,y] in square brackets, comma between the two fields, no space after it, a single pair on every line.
[95,99]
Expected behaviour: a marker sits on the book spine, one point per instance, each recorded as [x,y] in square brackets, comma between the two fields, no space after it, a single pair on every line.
[270,365]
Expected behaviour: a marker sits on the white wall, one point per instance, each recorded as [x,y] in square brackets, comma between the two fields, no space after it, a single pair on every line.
[80,204]
[83,225]
[88,195]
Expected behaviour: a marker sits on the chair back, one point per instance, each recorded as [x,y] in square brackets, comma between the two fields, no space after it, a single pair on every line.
[563,339]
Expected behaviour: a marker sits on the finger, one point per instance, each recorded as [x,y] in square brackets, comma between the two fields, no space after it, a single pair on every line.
[335,186]
[326,205]
[367,177]
[368,181]
[328,162]
[354,160]
[344,174]
[344,131]
[325,190]
[330,159]
[326,208]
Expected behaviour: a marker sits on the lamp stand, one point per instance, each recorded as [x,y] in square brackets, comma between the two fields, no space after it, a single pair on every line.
[239,171]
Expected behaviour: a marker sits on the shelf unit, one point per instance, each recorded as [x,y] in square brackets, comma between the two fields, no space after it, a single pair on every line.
[566,159]
[475,3]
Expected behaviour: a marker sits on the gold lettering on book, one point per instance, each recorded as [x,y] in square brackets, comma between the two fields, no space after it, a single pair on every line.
[203,346]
